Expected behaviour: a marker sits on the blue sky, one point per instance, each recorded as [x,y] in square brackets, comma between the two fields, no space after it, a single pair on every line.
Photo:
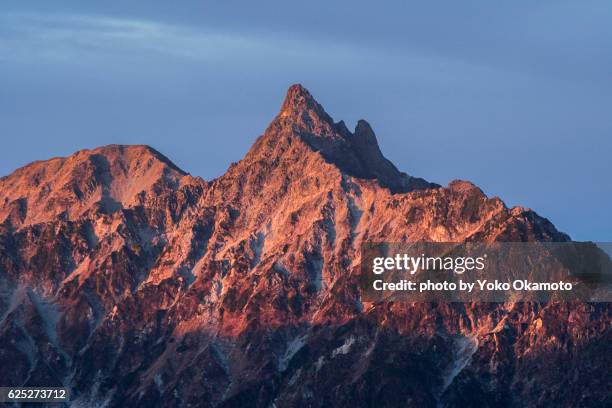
[515,97]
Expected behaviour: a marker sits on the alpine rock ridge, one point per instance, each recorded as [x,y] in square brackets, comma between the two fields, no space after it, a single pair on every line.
[134,283]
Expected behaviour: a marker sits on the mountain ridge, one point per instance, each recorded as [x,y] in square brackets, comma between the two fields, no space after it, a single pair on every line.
[242,290]
[355,153]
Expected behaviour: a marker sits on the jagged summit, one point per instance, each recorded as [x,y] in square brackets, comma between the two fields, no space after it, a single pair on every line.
[299,101]
[114,176]
[355,153]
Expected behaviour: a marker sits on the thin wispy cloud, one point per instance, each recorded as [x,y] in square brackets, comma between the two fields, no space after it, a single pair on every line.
[66,37]
[26,37]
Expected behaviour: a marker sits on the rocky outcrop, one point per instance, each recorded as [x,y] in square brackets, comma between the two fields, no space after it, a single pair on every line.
[135,284]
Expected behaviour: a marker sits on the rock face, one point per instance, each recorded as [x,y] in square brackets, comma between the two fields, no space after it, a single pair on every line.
[135,284]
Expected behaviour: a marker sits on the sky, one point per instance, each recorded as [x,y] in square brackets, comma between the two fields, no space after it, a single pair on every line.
[513,96]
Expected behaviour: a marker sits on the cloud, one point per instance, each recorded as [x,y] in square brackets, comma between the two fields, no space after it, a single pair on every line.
[26,37]
[35,38]
[133,45]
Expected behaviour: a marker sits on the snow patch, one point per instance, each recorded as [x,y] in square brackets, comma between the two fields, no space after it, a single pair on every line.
[218,287]
[345,348]
[465,347]
[359,303]
[221,358]
[320,363]
[356,214]
[257,245]
[50,316]
[16,298]
[158,382]
[315,269]
[280,268]
[292,348]
[295,377]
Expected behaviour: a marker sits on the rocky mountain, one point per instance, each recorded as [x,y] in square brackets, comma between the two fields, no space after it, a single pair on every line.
[135,284]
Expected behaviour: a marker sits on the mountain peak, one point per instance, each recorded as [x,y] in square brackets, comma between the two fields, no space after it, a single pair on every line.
[302,113]
[299,100]
[356,154]
[107,178]
[296,94]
